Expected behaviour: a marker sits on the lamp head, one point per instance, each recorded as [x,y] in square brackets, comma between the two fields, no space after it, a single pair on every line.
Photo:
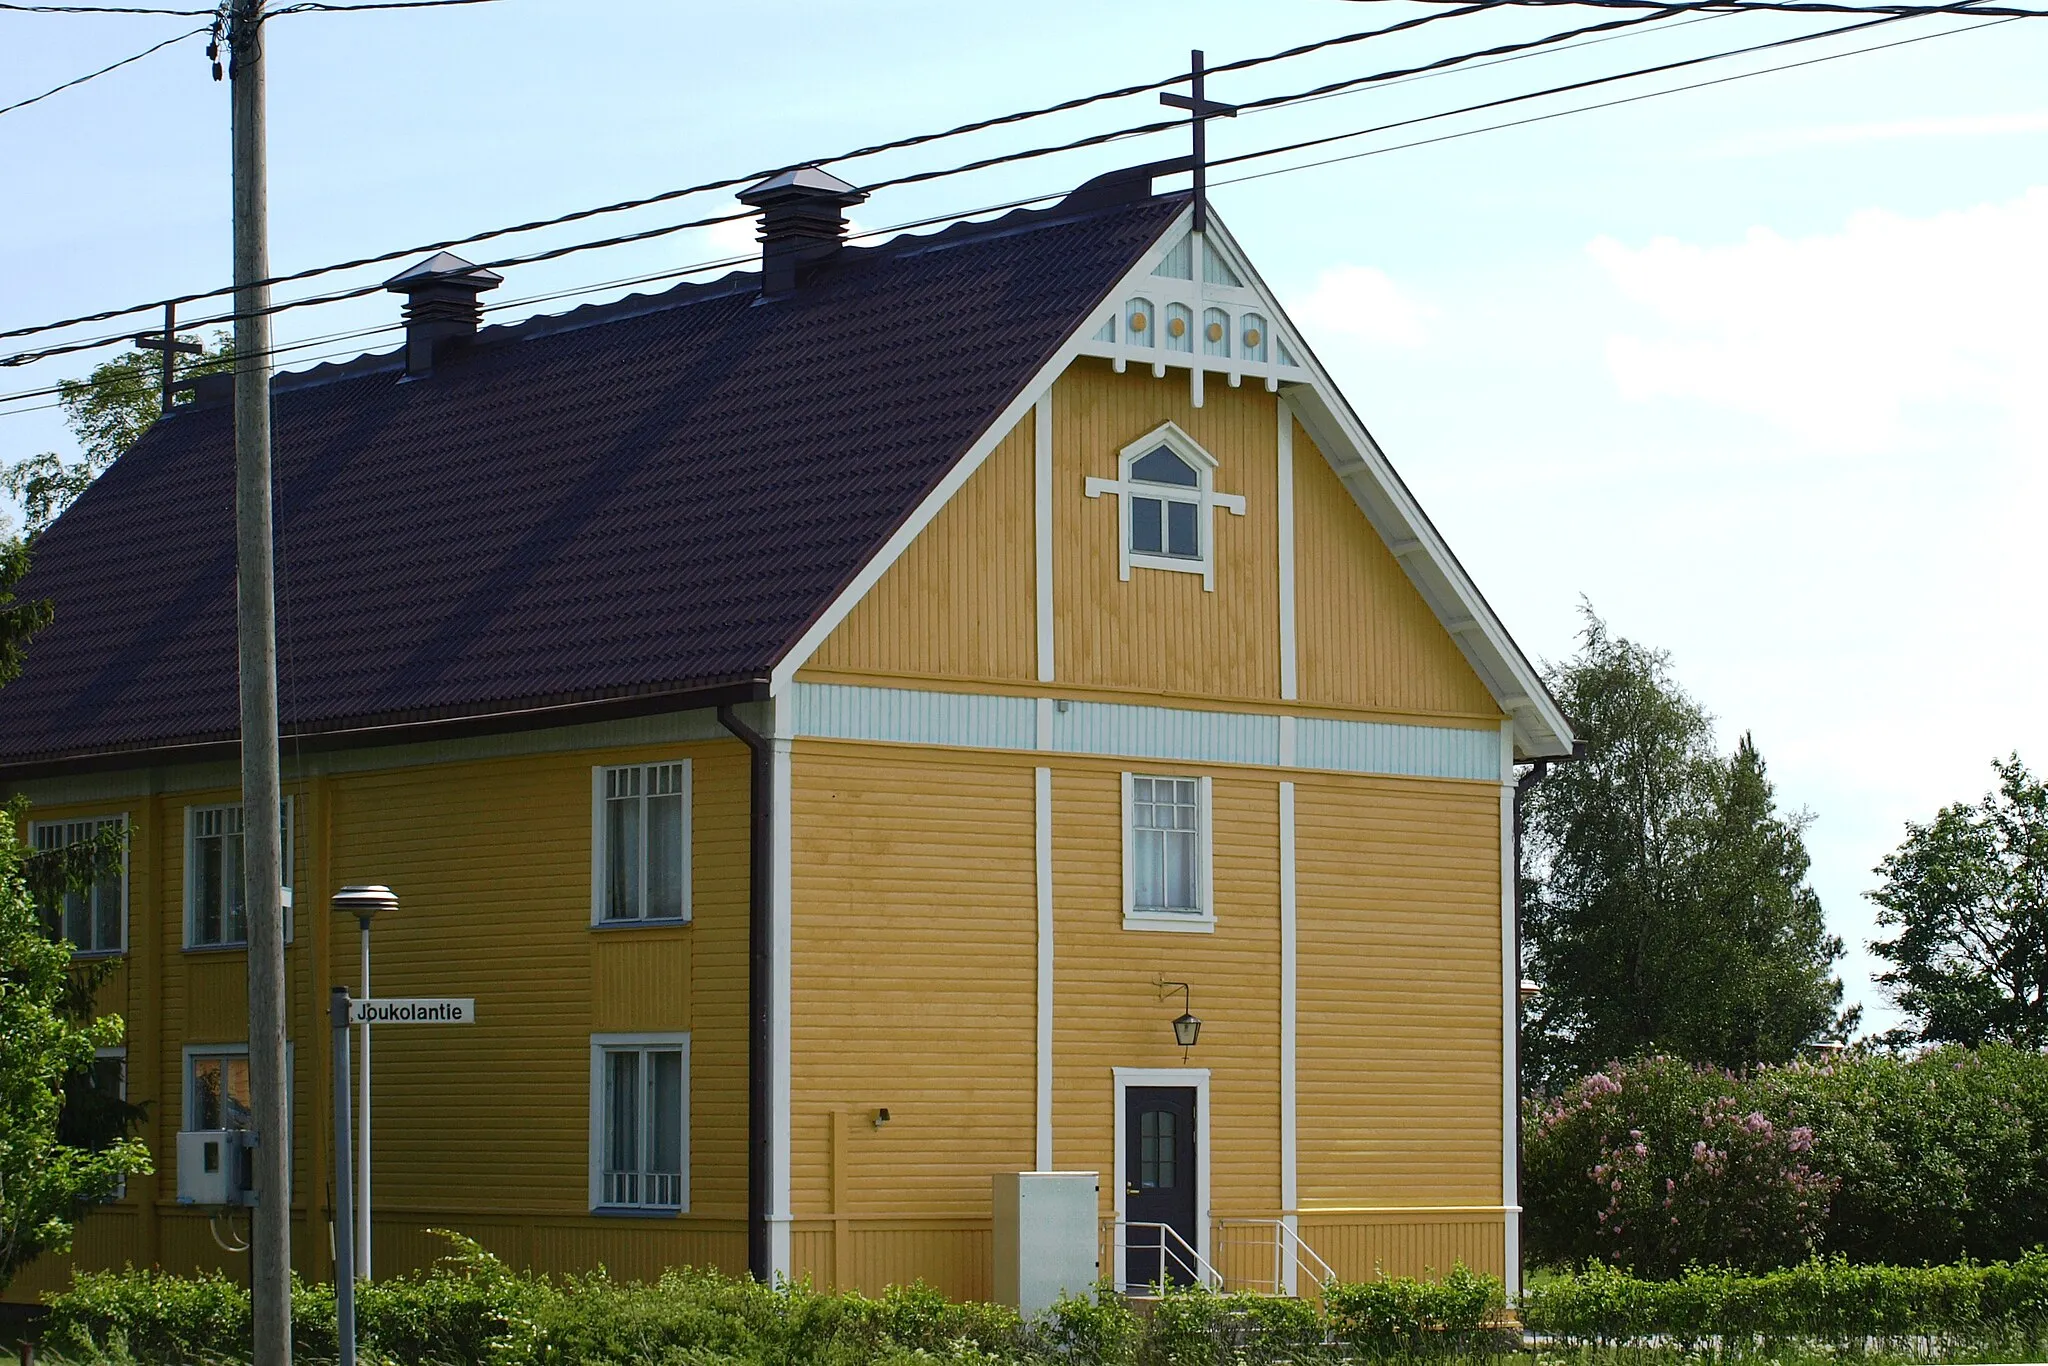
[365,902]
[1186,1030]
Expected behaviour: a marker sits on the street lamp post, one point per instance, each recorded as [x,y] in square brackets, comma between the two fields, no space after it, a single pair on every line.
[364,903]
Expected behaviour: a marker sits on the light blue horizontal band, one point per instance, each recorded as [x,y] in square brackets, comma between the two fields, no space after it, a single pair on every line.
[837,711]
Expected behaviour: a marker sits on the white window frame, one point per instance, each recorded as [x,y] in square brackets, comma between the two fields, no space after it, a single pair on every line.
[1204,497]
[1203,920]
[598,777]
[96,822]
[192,1052]
[602,1045]
[288,820]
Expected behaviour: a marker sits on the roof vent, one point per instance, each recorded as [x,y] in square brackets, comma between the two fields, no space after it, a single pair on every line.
[803,222]
[441,308]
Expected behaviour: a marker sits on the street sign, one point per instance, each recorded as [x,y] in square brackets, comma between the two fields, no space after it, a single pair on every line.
[378,1010]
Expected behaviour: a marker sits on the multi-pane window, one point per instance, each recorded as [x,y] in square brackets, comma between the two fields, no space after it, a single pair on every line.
[1166,846]
[94,919]
[217,1091]
[640,1123]
[1167,500]
[216,911]
[1156,1149]
[642,834]
[1165,506]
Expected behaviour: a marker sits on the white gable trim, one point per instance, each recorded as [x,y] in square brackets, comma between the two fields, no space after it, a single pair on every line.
[1540,729]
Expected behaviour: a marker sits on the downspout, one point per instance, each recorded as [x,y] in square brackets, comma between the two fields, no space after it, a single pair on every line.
[760,948]
[1526,784]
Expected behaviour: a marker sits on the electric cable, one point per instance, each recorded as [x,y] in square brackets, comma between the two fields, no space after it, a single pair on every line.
[1609,104]
[673,272]
[1903,11]
[1663,11]
[871,149]
[1570,86]
[95,75]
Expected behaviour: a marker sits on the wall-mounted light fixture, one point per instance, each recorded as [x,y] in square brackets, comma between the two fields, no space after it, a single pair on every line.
[1186,1029]
[881,1116]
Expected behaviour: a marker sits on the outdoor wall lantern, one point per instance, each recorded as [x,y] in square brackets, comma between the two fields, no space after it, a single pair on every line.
[1186,1029]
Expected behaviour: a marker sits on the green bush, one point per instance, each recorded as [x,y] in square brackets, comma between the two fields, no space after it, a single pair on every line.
[1391,1317]
[471,1310]
[1831,1302]
[1655,1165]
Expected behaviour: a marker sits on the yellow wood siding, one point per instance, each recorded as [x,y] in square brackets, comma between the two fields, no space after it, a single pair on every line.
[958,604]
[959,607]
[483,1129]
[1365,638]
[914,914]
[1398,890]
[1160,632]
[492,860]
[1110,1012]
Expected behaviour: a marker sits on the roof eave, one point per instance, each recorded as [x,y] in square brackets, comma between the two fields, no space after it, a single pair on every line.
[418,727]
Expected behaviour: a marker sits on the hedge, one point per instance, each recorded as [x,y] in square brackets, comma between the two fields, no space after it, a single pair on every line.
[471,1310]
[1832,1302]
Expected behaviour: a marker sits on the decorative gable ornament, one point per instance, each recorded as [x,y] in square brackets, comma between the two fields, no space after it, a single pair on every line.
[1196,309]
[1166,505]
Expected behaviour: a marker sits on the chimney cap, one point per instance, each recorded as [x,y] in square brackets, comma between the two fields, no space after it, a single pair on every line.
[803,183]
[444,268]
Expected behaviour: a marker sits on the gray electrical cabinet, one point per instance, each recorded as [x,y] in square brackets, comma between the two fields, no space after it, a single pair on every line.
[1048,1237]
[215,1167]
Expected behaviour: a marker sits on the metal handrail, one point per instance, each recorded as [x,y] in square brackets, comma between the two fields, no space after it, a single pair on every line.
[1192,1262]
[1288,1246]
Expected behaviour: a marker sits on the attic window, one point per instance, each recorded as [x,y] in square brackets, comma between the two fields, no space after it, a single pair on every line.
[1167,501]
[1163,518]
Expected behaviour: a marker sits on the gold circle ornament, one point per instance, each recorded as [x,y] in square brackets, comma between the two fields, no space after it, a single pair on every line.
[1137,322]
[1251,336]
[1177,326]
[1215,332]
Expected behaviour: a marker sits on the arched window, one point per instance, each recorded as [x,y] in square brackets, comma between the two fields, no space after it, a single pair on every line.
[1167,501]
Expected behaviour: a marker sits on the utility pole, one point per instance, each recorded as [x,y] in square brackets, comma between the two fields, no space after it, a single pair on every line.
[256,634]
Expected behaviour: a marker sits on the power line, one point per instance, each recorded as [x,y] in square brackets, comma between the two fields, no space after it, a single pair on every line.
[673,272]
[872,149]
[1091,140]
[1591,81]
[95,75]
[1041,198]
[1663,11]
[1604,104]
[1900,11]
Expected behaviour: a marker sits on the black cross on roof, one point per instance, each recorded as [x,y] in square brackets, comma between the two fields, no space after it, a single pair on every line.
[167,342]
[1200,110]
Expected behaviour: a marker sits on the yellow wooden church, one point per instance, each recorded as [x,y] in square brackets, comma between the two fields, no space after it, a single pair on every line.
[858,728]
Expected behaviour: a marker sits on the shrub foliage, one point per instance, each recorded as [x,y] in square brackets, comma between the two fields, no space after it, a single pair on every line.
[1656,1165]
[471,1310]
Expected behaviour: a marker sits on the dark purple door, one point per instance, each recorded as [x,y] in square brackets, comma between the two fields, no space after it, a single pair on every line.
[1159,1185]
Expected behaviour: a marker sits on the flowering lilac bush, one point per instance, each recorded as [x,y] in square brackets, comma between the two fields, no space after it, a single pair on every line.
[1914,1161]
[1658,1165]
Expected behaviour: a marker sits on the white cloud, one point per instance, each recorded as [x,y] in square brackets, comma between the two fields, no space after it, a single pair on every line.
[1838,134]
[1862,340]
[1362,303]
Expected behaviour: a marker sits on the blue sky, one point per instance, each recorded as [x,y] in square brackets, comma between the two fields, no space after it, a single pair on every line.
[1755,368]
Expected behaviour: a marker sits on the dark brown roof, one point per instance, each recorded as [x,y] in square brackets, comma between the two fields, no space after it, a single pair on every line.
[648,498]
